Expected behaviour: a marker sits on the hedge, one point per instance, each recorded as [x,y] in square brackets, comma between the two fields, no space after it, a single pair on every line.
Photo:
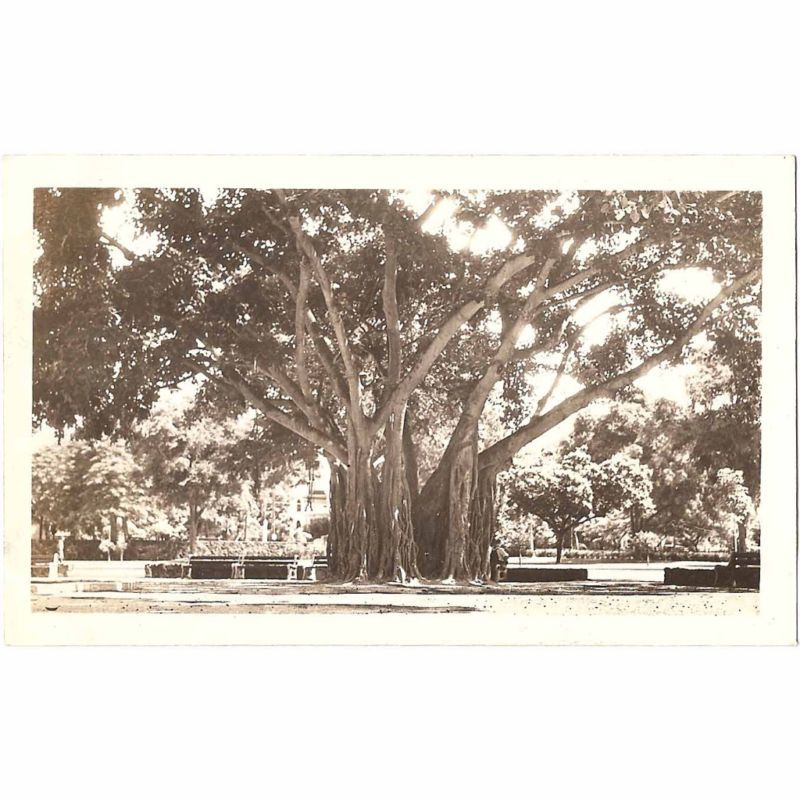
[252,549]
[171,549]
[89,550]
[578,556]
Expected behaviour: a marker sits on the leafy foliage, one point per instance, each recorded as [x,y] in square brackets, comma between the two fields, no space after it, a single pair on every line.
[215,290]
[560,493]
[567,491]
[186,457]
[78,485]
[696,494]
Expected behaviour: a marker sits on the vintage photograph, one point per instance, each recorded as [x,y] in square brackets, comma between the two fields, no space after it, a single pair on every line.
[372,400]
[400,398]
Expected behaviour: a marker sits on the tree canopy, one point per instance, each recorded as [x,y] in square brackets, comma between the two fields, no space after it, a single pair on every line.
[80,485]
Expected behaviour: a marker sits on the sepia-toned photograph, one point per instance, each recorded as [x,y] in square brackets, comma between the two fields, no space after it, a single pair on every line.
[455,402]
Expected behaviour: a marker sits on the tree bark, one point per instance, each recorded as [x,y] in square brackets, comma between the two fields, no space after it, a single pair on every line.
[430,521]
[397,558]
[337,530]
[353,541]
[410,457]
[461,486]
[371,535]
[563,541]
[483,524]
[455,518]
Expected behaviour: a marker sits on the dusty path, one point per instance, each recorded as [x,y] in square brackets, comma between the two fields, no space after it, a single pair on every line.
[279,597]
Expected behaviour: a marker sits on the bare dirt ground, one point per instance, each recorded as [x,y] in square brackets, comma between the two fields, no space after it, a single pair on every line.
[278,597]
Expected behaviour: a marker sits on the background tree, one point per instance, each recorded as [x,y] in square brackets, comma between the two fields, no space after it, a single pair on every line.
[684,451]
[187,458]
[722,508]
[51,494]
[560,493]
[623,483]
[87,487]
[570,489]
[726,395]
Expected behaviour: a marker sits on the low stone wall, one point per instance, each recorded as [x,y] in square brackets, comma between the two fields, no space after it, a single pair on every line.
[685,576]
[524,574]
[719,576]
[623,556]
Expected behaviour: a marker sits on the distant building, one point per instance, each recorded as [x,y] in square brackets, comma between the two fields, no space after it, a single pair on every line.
[303,501]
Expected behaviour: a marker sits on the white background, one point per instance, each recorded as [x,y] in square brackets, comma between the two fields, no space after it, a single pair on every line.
[399,78]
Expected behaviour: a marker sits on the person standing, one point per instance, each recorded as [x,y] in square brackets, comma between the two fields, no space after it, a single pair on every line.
[498,558]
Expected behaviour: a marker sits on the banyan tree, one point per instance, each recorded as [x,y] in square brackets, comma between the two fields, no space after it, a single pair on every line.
[417,341]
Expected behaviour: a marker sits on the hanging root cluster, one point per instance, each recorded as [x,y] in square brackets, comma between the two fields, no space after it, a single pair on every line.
[371,535]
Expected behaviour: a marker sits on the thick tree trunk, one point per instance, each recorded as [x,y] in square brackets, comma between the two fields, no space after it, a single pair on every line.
[483,524]
[337,530]
[455,517]
[353,541]
[410,457]
[430,521]
[362,516]
[563,541]
[461,489]
[397,554]
[371,534]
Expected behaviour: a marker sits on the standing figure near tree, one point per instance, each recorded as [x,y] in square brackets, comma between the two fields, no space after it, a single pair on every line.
[498,560]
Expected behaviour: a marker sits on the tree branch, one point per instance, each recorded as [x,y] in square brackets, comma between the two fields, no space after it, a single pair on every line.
[254,255]
[129,254]
[502,451]
[232,379]
[306,405]
[296,426]
[572,341]
[323,351]
[351,375]
[300,332]
[392,314]
[475,402]
[428,212]
[443,336]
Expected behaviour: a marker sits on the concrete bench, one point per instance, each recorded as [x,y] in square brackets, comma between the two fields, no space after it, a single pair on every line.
[168,569]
